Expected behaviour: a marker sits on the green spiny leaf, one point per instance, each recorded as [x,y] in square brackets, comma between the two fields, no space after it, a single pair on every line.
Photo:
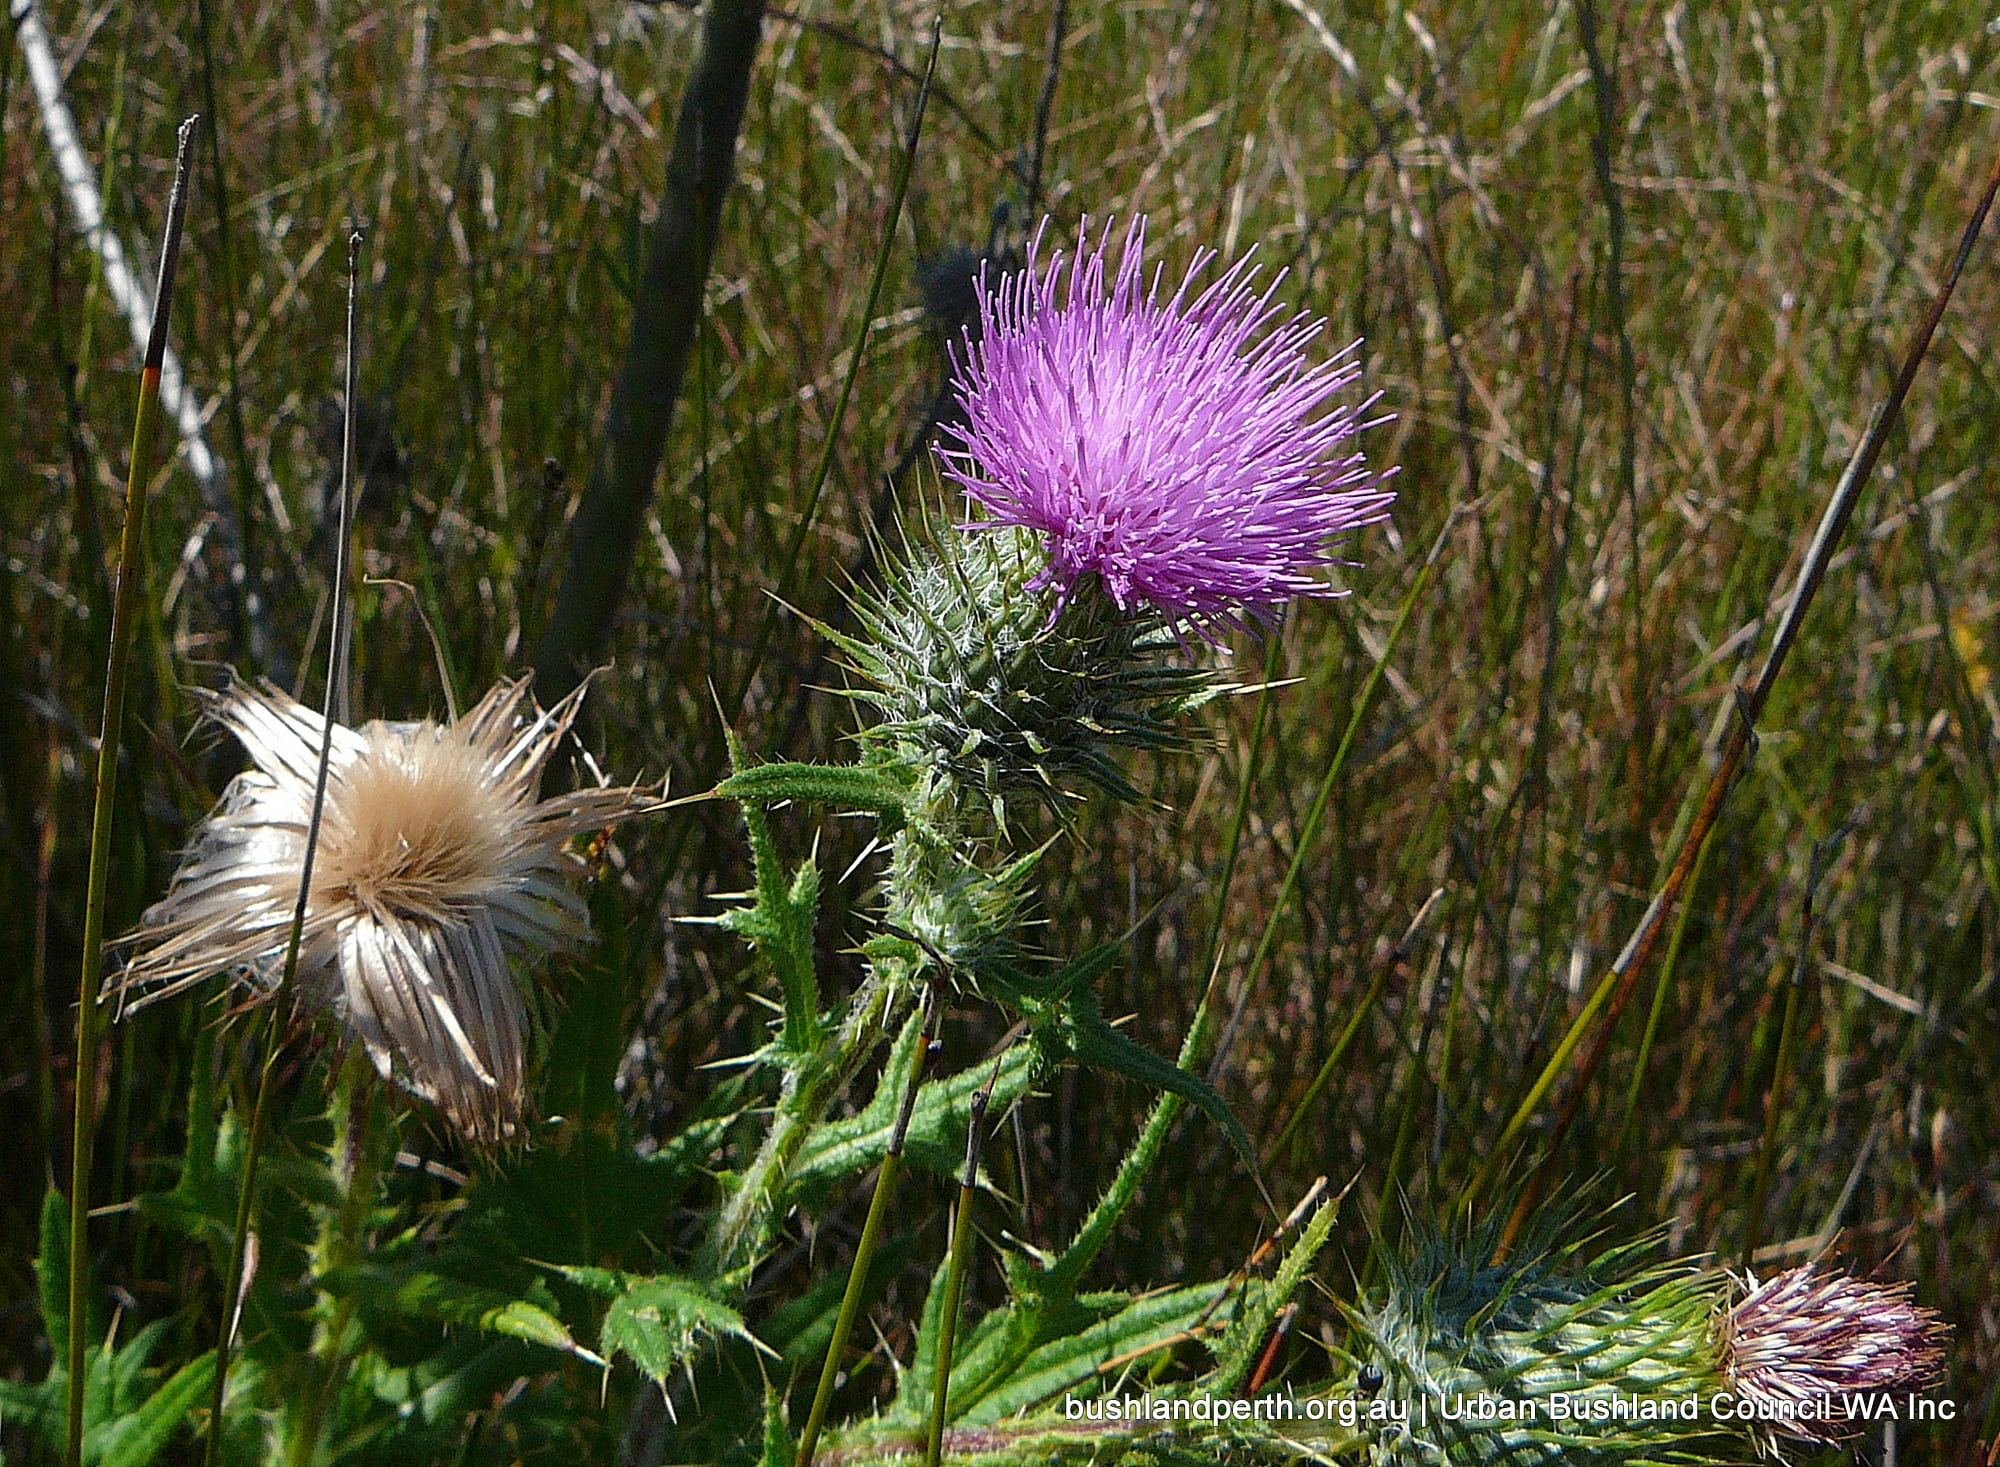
[885,789]
[137,1437]
[1095,1042]
[659,1323]
[936,1137]
[1238,1349]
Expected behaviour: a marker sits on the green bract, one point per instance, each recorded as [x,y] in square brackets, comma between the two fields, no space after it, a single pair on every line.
[973,669]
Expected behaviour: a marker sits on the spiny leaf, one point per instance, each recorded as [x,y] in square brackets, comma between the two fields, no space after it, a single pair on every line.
[657,1321]
[936,1136]
[432,1295]
[137,1437]
[885,789]
[1238,1349]
[1094,1042]
[1077,1362]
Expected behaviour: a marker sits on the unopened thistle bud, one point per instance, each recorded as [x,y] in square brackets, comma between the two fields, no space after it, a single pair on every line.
[964,916]
[1539,1354]
[1551,1352]
[438,865]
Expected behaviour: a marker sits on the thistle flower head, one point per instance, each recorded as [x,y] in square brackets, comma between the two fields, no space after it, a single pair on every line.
[437,866]
[1185,451]
[1795,1345]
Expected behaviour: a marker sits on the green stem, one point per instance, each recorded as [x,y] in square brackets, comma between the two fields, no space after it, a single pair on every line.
[343,1233]
[1653,1015]
[124,607]
[748,1216]
[1774,1106]
[266,1039]
[864,1253]
[954,1279]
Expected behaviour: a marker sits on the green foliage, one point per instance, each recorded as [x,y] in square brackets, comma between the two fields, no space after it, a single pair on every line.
[1236,1353]
[408,1289]
[879,789]
[1079,1025]
[136,1408]
[936,1139]
[658,1322]
[779,925]
[1617,401]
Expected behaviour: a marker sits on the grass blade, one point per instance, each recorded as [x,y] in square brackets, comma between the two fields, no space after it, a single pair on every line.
[124,608]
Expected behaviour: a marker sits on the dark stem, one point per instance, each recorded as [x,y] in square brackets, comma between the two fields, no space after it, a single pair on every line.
[666,314]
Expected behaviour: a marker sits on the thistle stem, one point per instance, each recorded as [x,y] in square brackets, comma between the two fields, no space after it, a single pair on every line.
[124,608]
[343,1231]
[747,1217]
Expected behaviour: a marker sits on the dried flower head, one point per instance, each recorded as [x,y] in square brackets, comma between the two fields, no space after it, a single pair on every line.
[1180,450]
[437,864]
[1795,1347]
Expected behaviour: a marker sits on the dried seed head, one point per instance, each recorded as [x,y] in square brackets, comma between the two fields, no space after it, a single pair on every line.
[1796,1345]
[437,865]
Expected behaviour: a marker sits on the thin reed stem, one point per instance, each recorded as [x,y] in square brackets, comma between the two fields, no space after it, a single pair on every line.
[809,511]
[1615,987]
[871,1233]
[124,608]
[1309,827]
[267,1039]
[1667,966]
[1391,961]
[1781,1070]
[955,1271]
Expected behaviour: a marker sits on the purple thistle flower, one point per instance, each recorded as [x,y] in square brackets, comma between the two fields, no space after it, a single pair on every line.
[1797,1345]
[1177,449]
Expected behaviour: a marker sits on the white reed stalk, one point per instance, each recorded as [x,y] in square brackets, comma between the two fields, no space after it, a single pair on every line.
[128,291]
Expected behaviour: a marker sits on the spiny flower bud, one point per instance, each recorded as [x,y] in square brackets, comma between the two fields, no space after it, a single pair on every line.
[964,916]
[1489,1353]
[977,673]
[1797,1346]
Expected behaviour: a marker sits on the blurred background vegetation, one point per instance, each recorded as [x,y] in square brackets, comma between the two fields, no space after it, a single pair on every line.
[1632,279]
